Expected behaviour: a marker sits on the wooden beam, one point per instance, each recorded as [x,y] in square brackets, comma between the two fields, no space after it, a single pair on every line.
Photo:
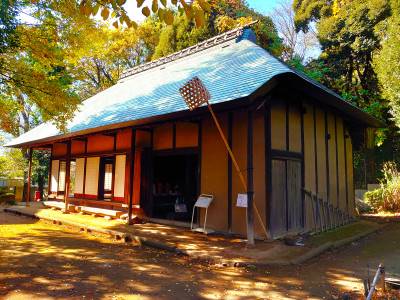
[173,135]
[67,175]
[230,137]
[49,173]
[236,165]
[28,187]
[199,145]
[250,188]
[268,164]
[131,175]
[345,168]
[303,169]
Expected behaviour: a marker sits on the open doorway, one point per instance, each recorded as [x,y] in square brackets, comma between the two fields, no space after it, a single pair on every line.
[175,186]
[106,178]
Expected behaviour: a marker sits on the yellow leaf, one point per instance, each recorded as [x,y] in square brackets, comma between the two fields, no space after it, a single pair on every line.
[188,10]
[161,13]
[199,18]
[105,13]
[146,11]
[169,17]
[204,5]
[96,9]
[164,2]
[85,9]
[133,24]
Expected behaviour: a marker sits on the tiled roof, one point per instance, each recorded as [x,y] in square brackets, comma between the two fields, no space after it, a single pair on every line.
[232,69]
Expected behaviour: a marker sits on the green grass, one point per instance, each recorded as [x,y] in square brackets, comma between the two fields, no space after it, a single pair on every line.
[342,233]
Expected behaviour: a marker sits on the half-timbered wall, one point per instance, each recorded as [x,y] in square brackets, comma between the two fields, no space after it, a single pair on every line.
[219,176]
[285,201]
[100,143]
[296,130]
[328,161]
[214,172]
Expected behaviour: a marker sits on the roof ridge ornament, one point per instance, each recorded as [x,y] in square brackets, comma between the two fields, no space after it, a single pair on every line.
[216,40]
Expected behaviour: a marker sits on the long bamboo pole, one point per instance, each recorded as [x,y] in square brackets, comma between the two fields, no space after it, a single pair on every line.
[242,179]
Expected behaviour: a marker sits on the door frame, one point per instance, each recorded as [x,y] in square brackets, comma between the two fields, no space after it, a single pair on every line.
[146,197]
[271,154]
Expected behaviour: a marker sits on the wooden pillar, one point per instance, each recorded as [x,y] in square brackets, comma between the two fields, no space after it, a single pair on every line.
[49,173]
[131,174]
[28,187]
[67,175]
[250,186]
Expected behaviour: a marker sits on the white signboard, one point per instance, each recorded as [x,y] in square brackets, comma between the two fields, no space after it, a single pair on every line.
[204,201]
[241,200]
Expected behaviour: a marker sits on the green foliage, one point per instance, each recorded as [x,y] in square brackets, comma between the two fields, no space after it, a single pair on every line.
[347,31]
[12,163]
[386,61]
[7,198]
[360,54]
[8,35]
[115,10]
[315,69]
[224,15]
[387,197]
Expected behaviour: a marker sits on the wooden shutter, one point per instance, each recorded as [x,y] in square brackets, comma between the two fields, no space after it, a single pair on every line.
[92,176]
[79,176]
[54,175]
[119,179]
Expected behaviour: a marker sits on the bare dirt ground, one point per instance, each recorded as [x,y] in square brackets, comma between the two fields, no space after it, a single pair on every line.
[39,260]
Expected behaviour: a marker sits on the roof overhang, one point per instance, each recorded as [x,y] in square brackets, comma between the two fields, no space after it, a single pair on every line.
[140,123]
[349,111]
[291,80]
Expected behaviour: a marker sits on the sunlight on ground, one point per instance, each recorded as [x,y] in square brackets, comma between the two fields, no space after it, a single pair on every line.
[39,260]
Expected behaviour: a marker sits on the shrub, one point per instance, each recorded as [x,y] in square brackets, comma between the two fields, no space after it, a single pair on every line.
[8,198]
[387,197]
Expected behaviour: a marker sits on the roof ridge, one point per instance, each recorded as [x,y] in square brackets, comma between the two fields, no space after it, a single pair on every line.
[216,40]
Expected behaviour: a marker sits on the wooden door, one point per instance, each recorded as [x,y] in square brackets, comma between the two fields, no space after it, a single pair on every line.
[294,196]
[286,209]
[278,199]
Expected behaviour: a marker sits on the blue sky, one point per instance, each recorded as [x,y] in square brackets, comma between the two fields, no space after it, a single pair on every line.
[263,6]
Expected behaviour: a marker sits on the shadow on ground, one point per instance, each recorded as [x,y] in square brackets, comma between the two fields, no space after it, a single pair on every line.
[41,260]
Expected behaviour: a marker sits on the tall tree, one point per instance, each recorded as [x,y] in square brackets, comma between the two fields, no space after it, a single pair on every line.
[297,43]
[387,60]
[347,34]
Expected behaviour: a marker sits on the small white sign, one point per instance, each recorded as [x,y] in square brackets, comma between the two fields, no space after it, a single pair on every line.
[241,200]
[203,201]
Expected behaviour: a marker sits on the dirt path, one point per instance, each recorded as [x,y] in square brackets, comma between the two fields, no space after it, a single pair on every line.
[43,261]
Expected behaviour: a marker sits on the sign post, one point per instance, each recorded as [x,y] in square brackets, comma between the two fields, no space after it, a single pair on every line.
[196,94]
[203,201]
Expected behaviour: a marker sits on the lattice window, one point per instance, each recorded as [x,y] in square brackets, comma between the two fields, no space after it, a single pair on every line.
[108,177]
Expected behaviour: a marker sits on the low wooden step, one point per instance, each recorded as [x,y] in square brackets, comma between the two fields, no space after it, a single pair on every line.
[101,211]
[54,204]
[59,205]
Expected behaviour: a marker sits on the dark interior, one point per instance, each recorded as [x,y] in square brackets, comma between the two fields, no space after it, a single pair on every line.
[106,178]
[174,186]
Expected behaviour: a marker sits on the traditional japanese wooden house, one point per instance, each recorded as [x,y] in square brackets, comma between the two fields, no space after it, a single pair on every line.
[136,147]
